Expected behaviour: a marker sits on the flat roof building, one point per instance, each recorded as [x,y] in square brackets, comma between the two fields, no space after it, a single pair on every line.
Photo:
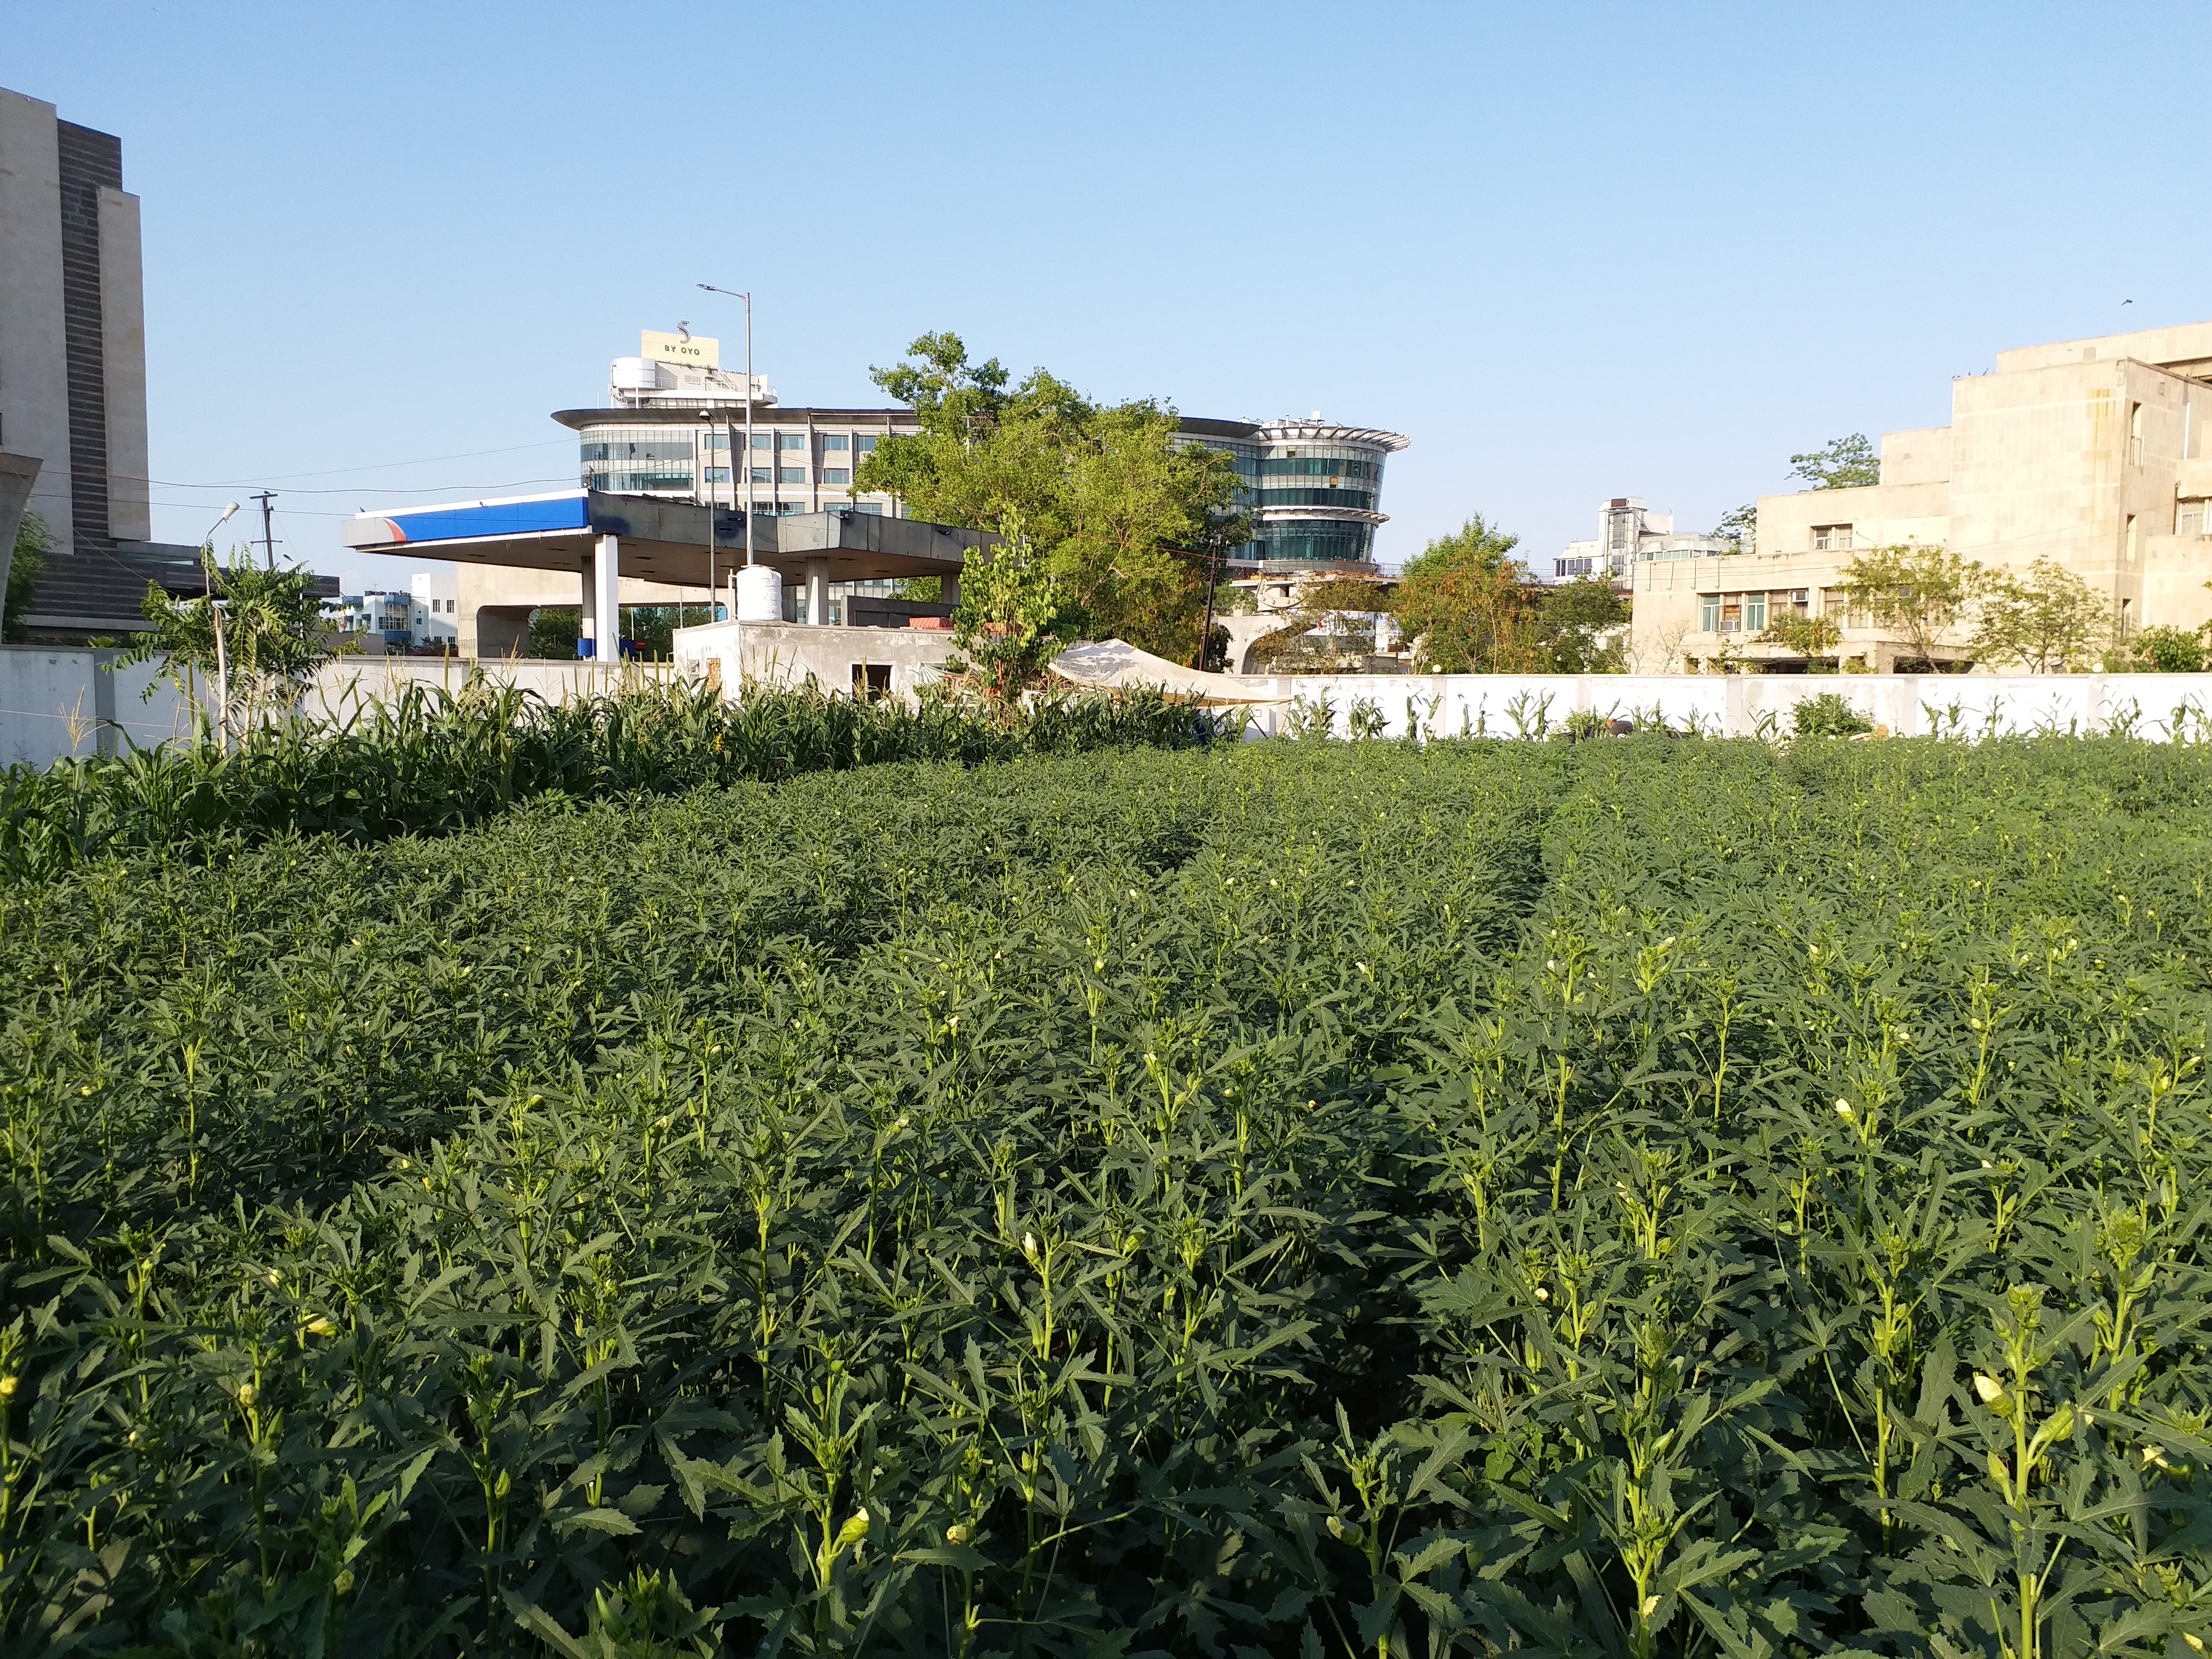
[73,373]
[2091,453]
[1627,531]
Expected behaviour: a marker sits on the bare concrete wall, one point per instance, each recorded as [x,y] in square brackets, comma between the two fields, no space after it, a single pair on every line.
[123,323]
[35,407]
[790,654]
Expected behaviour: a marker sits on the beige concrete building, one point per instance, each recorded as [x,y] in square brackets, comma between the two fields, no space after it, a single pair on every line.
[2089,452]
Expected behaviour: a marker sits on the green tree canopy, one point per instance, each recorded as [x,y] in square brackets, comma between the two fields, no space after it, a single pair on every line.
[1740,524]
[1844,463]
[274,639]
[1013,608]
[1466,604]
[2051,621]
[1129,524]
[27,560]
[1572,622]
[1814,638]
[1333,620]
[1918,593]
[2166,650]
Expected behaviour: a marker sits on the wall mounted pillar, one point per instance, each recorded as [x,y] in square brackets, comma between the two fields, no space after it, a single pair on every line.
[606,597]
[817,591]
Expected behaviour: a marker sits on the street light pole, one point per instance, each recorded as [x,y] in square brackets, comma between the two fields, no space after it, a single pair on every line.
[733,295]
[214,609]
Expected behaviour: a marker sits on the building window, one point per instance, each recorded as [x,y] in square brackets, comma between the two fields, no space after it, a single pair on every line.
[1831,537]
[836,474]
[1800,599]
[835,440]
[761,475]
[868,445]
[872,681]
[718,474]
[2192,520]
[1711,620]
[785,475]
[762,439]
[791,440]
[714,441]
[2135,435]
[2132,538]
[1754,613]
[1731,613]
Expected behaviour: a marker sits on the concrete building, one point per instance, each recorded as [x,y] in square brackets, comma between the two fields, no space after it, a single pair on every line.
[73,367]
[1628,532]
[425,615]
[2091,453]
[670,429]
[1314,489]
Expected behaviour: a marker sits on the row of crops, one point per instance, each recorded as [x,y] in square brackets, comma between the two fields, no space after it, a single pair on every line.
[1635,1198]
[432,761]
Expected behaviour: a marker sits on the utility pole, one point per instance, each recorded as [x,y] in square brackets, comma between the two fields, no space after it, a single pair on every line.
[268,531]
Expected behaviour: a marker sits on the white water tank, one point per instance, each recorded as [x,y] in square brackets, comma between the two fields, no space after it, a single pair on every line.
[759,594]
[634,375]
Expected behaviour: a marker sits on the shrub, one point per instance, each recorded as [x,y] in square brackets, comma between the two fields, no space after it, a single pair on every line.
[1828,715]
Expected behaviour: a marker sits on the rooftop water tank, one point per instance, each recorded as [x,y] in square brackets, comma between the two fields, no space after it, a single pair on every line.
[634,375]
[759,594]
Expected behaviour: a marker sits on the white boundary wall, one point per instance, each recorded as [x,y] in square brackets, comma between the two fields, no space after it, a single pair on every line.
[58,701]
[1747,705]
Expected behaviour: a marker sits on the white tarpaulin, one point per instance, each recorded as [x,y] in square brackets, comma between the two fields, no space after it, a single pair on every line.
[1117,666]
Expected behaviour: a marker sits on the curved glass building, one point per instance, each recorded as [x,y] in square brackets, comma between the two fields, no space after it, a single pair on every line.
[1313,489]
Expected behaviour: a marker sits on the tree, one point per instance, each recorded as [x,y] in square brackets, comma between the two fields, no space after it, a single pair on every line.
[33,542]
[1814,638]
[1006,628]
[1466,604]
[1130,523]
[1844,463]
[1333,619]
[273,640]
[2168,651]
[1739,525]
[554,631]
[2052,623]
[1914,591]
[1571,618]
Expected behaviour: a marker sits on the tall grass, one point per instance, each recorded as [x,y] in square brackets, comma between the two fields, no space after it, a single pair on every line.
[432,761]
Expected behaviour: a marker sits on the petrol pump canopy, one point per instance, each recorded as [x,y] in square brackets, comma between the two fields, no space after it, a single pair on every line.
[661,540]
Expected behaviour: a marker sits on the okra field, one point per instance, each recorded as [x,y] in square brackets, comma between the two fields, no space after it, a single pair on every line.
[1636,1197]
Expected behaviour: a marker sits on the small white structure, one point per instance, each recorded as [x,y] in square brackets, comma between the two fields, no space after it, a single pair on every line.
[433,618]
[1628,532]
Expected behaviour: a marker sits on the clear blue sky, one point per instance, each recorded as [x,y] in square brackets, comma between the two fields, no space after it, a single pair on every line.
[1571,252]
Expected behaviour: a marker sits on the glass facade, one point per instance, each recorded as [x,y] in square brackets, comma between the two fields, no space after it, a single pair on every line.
[1364,499]
[1314,541]
[639,459]
[692,461]
[1284,478]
